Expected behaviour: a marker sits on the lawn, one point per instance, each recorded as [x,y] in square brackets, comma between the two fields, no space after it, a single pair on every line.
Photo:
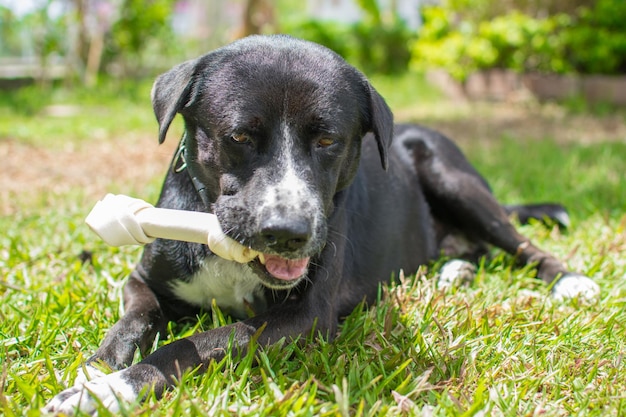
[498,347]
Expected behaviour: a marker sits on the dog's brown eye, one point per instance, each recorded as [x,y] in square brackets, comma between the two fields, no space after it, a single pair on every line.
[325,142]
[240,138]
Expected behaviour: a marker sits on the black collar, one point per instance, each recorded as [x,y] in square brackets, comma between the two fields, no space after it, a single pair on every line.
[182,162]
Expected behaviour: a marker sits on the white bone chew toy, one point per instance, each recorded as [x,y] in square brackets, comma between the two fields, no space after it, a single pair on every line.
[122,220]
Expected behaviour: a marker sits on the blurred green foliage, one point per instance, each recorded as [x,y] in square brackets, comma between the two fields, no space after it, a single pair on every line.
[48,34]
[588,40]
[141,25]
[459,36]
[377,43]
[28,100]
[595,38]
[9,37]
[371,47]
[125,38]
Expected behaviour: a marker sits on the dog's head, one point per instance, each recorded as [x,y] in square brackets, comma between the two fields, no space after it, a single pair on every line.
[274,128]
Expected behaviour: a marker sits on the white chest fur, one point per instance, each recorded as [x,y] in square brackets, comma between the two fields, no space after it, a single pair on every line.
[233,286]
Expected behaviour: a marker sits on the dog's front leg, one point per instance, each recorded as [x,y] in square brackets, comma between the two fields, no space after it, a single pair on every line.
[142,321]
[158,371]
[163,368]
[138,327]
[290,321]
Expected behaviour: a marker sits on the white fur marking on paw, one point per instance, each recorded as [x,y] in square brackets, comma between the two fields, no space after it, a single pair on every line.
[575,286]
[456,272]
[563,218]
[87,373]
[109,390]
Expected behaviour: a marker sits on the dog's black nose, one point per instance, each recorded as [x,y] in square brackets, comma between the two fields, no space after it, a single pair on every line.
[286,234]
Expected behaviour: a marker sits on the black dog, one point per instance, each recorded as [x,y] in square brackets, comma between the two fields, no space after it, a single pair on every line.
[292,149]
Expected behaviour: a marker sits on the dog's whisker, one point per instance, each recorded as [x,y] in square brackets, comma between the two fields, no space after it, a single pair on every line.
[319,268]
[341,236]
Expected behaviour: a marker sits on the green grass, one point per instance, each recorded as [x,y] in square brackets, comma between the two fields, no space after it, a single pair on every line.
[112,109]
[497,347]
[586,178]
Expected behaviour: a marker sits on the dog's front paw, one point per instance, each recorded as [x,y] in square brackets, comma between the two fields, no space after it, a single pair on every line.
[106,391]
[575,286]
[456,272]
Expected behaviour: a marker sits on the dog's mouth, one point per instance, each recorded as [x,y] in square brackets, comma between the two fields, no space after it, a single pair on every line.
[284,269]
[278,272]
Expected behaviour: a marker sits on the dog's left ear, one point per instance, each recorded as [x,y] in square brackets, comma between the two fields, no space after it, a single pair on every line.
[170,93]
[380,123]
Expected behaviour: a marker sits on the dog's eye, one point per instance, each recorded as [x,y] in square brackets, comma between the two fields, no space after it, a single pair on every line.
[325,142]
[240,138]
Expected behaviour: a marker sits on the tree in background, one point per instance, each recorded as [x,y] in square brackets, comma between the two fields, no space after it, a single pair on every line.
[10,42]
[258,17]
[120,37]
[90,35]
[141,30]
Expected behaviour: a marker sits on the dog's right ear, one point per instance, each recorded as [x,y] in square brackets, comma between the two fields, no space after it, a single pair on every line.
[171,92]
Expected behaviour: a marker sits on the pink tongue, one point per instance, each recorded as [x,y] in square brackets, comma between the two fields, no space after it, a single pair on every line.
[286,269]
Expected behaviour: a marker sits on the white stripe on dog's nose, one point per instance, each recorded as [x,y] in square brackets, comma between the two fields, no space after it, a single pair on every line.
[291,190]
[291,198]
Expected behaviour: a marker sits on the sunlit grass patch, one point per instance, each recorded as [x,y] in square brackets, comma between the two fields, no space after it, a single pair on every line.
[499,346]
